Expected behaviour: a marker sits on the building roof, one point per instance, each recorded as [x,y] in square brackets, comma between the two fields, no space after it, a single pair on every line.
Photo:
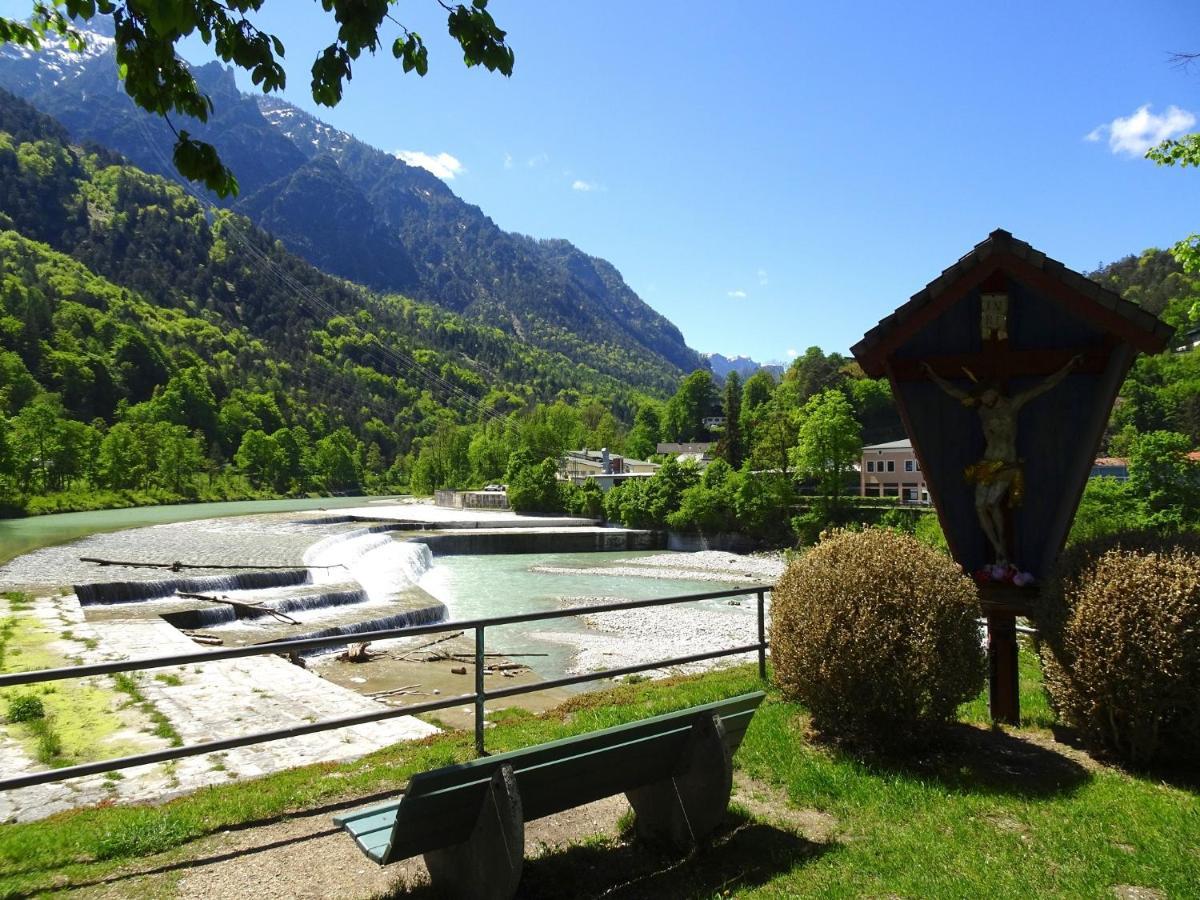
[904,444]
[1000,249]
[1110,462]
[698,447]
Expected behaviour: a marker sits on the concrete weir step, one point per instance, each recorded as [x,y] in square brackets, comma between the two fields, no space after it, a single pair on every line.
[543,540]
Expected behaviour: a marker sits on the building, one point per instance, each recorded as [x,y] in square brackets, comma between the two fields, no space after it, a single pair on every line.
[699,452]
[1110,467]
[609,469]
[711,422]
[892,470]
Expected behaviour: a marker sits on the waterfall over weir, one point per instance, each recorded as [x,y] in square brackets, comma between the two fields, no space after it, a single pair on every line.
[135,591]
[412,617]
[382,565]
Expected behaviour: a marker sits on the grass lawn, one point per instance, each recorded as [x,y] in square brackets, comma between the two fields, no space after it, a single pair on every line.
[990,813]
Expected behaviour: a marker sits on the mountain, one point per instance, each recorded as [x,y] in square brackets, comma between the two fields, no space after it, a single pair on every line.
[364,215]
[743,365]
[115,284]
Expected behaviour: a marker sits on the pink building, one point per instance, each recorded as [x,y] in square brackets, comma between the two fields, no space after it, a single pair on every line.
[892,470]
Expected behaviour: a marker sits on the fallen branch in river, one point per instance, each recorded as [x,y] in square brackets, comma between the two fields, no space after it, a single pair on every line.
[407,653]
[246,607]
[400,690]
[178,566]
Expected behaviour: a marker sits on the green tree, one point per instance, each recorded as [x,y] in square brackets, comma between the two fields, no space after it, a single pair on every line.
[1165,479]
[122,464]
[1184,152]
[830,441]
[261,459]
[732,446]
[160,82]
[642,442]
[37,441]
[180,458]
[336,460]
[708,506]
[533,487]
[695,399]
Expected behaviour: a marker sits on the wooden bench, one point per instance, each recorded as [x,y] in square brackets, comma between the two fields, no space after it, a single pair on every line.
[468,819]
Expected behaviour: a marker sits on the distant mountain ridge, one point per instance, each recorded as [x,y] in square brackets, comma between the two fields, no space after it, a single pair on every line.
[364,215]
[745,367]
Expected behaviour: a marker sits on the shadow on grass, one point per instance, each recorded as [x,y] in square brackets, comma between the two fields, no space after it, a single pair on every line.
[986,761]
[743,854]
[1181,774]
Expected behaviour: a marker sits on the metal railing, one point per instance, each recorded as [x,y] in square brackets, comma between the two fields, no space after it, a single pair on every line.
[479,697]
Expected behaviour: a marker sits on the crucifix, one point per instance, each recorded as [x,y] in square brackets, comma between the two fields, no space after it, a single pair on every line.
[998,476]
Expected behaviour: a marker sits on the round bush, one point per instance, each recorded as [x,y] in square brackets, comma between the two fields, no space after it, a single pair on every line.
[876,634]
[1120,645]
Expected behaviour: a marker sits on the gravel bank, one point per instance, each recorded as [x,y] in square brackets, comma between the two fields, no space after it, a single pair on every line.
[706,565]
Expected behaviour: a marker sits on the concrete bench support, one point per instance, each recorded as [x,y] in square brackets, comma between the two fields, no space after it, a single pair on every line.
[487,865]
[683,810]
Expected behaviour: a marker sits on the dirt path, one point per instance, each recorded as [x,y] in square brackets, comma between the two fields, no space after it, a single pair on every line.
[308,858]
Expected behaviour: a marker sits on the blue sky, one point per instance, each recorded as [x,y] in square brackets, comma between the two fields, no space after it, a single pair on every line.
[781,174]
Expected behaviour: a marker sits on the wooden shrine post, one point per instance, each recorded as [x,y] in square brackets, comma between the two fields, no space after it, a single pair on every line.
[1005,369]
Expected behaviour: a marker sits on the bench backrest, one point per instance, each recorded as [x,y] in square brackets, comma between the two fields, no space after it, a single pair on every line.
[440,807]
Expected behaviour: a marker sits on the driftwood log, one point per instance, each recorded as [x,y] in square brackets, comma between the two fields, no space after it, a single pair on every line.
[243,607]
[356,653]
[178,566]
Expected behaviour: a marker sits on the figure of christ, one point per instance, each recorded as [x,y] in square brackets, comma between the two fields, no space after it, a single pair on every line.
[998,475]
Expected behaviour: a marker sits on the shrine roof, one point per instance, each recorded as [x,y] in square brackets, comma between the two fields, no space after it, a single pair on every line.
[1117,315]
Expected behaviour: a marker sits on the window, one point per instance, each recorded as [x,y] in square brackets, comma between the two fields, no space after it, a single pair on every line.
[891,465]
[908,465]
[870,465]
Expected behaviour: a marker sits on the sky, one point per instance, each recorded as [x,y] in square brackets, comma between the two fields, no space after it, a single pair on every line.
[778,175]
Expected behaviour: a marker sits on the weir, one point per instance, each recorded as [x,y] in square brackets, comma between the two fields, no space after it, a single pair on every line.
[409,618]
[136,591]
[220,614]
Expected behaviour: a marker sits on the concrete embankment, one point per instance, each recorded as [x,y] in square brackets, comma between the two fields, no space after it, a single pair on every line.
[569,540]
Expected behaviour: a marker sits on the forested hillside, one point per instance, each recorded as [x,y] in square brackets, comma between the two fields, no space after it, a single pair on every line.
[145,345]
[365,215]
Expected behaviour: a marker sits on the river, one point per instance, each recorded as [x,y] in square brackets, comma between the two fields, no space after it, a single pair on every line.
[18,536]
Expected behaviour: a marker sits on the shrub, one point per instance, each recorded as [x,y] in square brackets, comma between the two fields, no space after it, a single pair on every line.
[1119,635]
[876,634]
[25,708]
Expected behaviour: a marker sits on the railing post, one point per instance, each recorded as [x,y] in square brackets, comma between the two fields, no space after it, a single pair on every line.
[479,711]
[762,636]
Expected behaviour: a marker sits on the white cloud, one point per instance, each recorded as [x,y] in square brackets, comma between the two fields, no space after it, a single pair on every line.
[443,165]
[792,354]
[508,161]
[1133,135]
[762,277]
[739,294]
[586,186]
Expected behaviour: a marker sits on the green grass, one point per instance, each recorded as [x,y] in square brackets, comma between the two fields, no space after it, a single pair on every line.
[988,812]
[127,683]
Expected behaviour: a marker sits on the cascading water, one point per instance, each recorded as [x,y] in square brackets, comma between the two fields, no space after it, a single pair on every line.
[382,566]
[135,591]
